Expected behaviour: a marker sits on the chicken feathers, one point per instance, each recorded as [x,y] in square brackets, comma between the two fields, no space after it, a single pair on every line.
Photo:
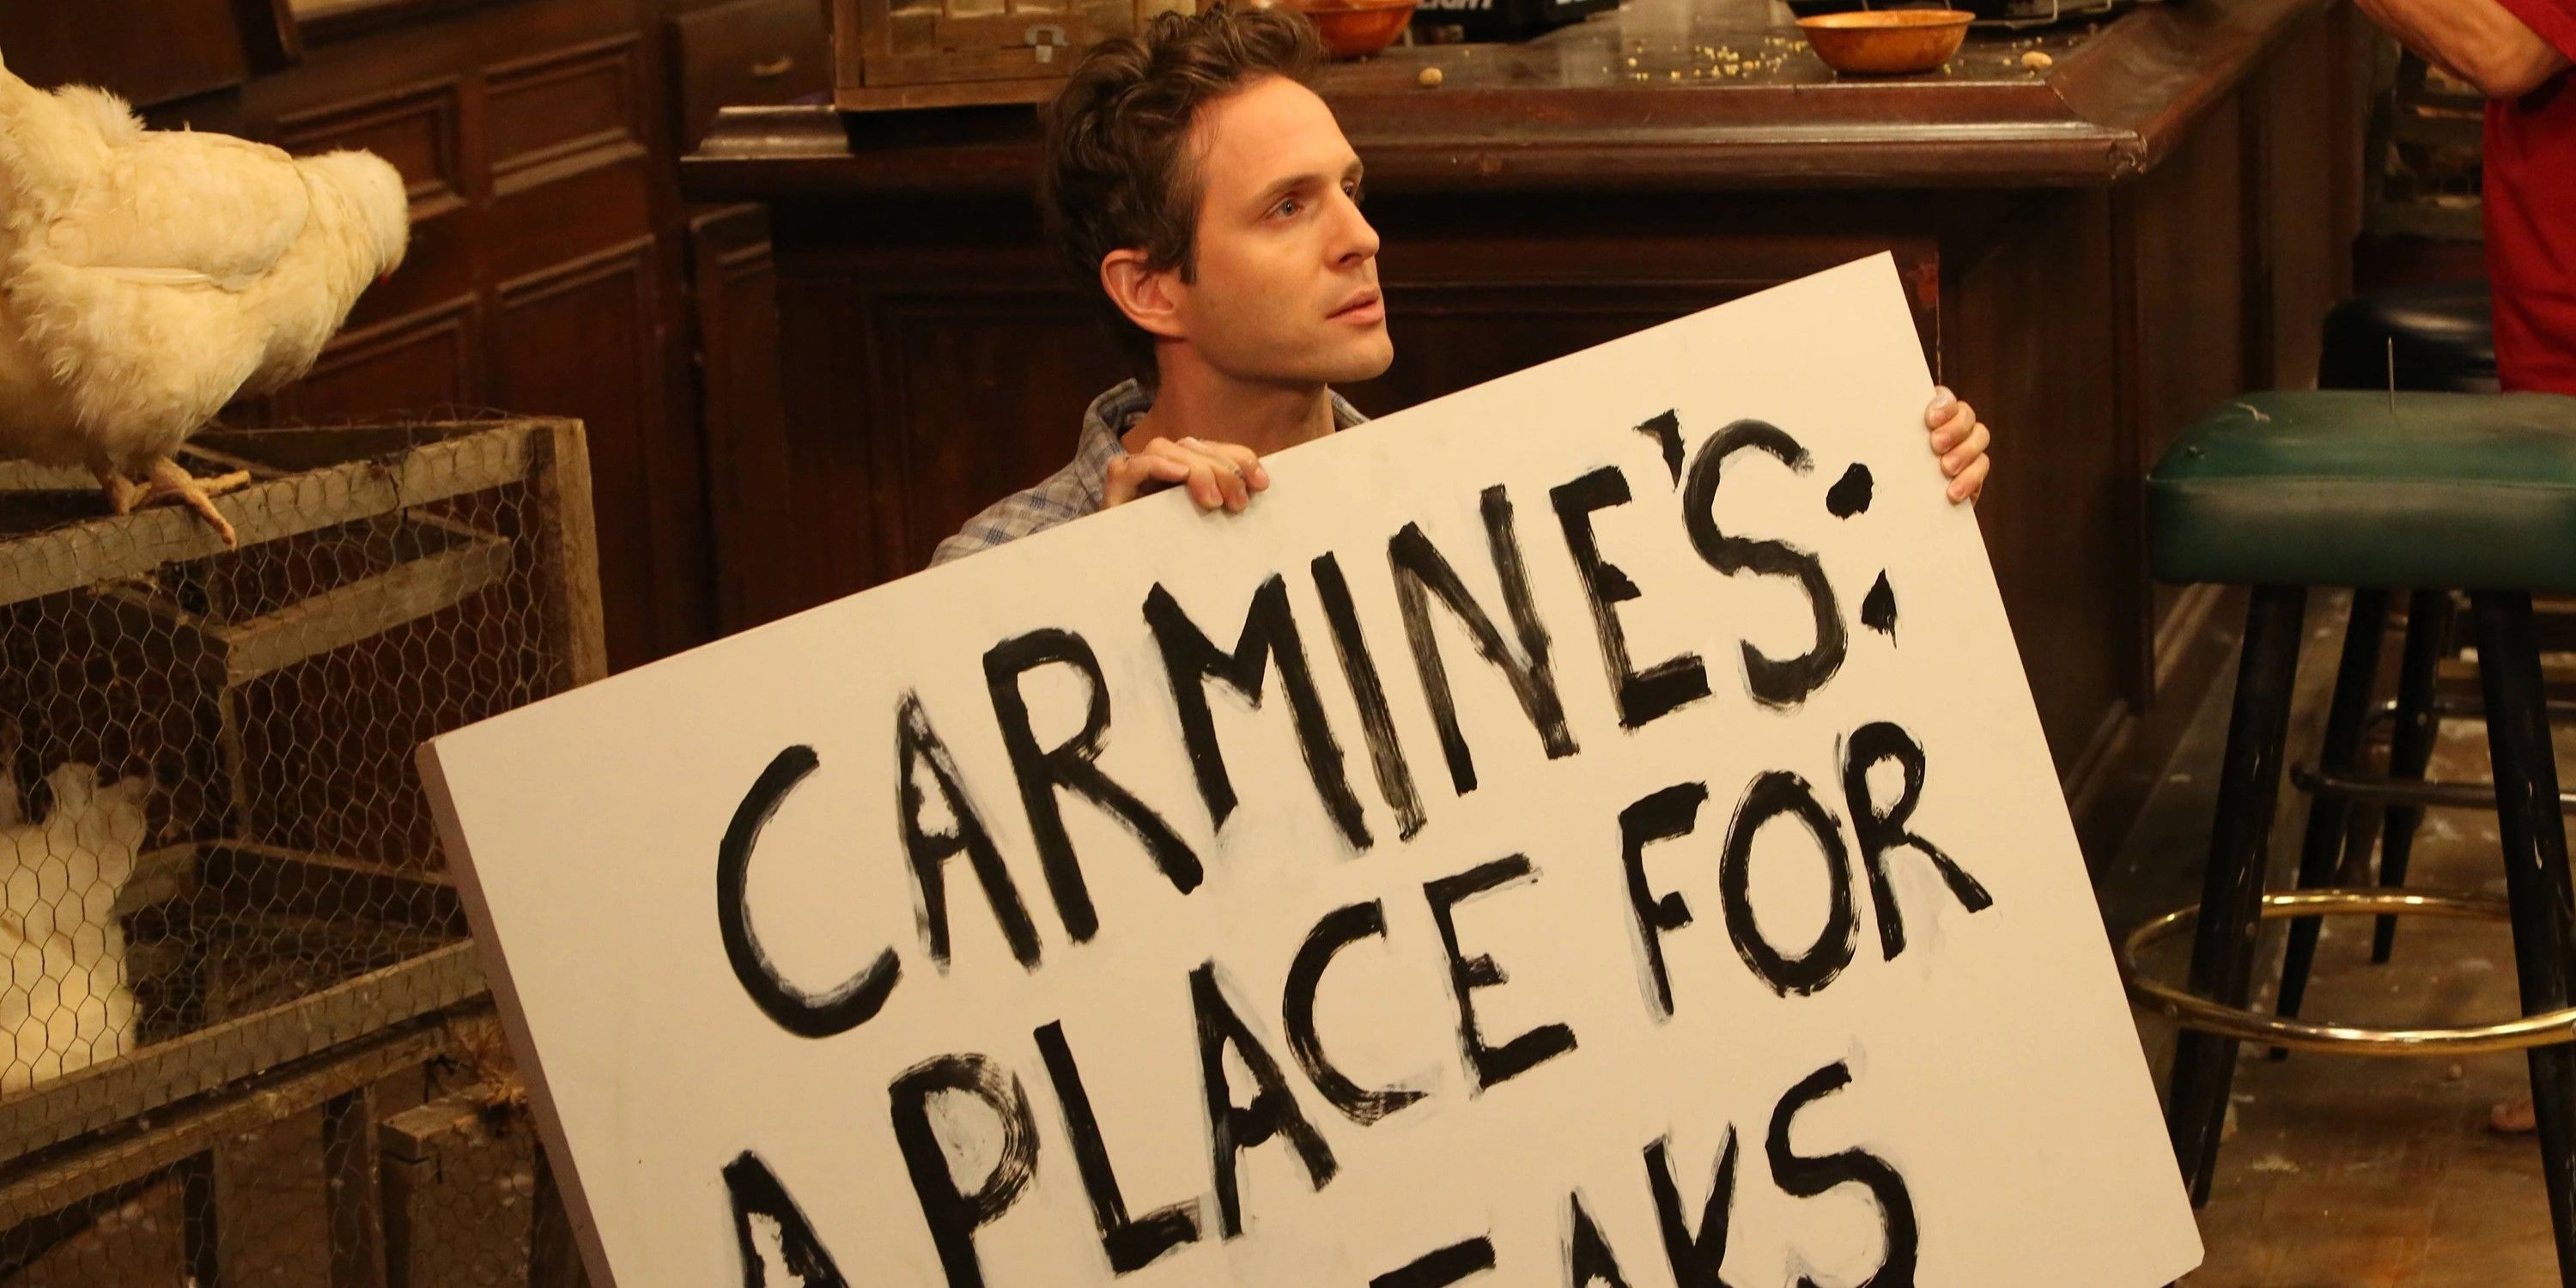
[66,1002]
[147,278]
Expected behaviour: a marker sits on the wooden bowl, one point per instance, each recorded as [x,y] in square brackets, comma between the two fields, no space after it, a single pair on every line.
[1358,28]
[1886,42]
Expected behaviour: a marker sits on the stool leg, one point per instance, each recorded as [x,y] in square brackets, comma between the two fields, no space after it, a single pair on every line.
[2231,902]
[2428,620]
[2328,811]
[2535,867]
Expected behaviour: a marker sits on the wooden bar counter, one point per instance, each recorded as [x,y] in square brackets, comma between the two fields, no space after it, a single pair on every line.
[2099,243]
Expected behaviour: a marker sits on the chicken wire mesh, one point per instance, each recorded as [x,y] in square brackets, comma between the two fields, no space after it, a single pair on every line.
[243,1035]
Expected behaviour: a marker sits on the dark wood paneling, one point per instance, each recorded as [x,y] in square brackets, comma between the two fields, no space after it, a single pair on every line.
[581,339]
[2058,514]
[568,101]
[425,362]
[742,405]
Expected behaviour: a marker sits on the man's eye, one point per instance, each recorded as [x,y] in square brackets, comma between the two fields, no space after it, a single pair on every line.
[1286,209]
[1357,193]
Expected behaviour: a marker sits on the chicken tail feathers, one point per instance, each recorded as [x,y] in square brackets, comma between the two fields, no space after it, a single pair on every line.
[51,143]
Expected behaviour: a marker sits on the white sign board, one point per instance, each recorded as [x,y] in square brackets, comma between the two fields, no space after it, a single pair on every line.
[1641,865]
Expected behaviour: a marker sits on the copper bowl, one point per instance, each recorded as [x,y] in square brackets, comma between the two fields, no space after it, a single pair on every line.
[1886,42]
[1358,28]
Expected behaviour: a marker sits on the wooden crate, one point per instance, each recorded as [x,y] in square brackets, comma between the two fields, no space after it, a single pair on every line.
[949,53]
[392,582]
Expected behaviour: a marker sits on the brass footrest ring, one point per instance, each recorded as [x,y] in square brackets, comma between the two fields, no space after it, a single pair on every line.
[2305,1035]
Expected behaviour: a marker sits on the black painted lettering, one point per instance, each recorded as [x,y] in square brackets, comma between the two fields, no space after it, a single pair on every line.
[1882,831]
[856,1000]
[1339,929]
[1696,1256]
[1805,1178]
[1131,1244]
[1269,631]
[917,747]
[1490,1065]
[1377,722]
[1659,689]
[954,1215]
[1588,1259]
[1773,682]
[1667,814]
[1460,1260]
[1072,765]
[755,1192]
[1421,573]
[1771,796]
[1273,1111]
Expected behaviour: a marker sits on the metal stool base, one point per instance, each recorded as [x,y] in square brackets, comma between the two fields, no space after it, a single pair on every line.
[2547,1029]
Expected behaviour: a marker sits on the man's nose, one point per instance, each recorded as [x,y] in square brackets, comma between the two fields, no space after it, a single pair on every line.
[1357,240]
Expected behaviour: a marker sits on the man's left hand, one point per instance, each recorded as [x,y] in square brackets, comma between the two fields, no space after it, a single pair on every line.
[1960,440]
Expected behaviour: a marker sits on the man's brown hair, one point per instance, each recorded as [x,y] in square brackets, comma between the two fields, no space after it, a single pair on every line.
[1118,172]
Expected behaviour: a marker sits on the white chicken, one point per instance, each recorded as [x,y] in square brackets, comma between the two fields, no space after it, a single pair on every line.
[148,277]
[65,1002]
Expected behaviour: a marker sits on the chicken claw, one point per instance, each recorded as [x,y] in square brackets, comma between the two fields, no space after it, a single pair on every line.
[170,481]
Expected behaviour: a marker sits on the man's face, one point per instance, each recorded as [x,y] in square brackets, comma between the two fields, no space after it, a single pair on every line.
[1286,288]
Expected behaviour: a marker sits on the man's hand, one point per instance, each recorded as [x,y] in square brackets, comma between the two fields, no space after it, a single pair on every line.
[1218,475]
[1960,440]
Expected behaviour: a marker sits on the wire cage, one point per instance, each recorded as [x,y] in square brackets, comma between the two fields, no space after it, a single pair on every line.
[244,1038]
[950,53]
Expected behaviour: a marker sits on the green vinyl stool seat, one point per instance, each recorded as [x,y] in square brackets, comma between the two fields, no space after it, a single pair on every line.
[2377,491]
[2353,488]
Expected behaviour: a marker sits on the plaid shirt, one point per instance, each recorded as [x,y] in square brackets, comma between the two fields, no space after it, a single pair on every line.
[1075,491]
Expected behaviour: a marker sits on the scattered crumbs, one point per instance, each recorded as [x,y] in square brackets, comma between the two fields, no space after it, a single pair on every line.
[1632,61]
[1676,75]
[1429,79]
[2272,1163]
[2455,1073]
[2037,61]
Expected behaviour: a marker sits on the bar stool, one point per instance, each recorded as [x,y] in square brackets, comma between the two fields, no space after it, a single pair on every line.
[2284,491]
[2425,338]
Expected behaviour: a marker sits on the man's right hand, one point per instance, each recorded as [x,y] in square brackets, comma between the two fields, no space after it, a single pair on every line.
[1218,475]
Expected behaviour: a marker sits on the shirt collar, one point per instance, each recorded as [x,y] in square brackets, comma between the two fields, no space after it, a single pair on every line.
[1106,422]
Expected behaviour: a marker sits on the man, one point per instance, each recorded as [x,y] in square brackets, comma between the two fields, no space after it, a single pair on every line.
[1210,196]
[2517,52]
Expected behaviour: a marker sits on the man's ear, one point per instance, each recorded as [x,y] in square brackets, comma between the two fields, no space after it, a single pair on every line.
[1148,296]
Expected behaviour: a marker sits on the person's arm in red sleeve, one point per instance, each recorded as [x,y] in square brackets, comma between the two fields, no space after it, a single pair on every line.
[2507,48]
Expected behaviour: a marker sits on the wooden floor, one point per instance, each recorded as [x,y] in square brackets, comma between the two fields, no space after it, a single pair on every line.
[2345,1171]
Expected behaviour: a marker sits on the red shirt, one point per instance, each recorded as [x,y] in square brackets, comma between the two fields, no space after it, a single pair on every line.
[2530,163]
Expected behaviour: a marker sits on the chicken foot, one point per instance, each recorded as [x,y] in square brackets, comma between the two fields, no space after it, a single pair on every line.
[168,480]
